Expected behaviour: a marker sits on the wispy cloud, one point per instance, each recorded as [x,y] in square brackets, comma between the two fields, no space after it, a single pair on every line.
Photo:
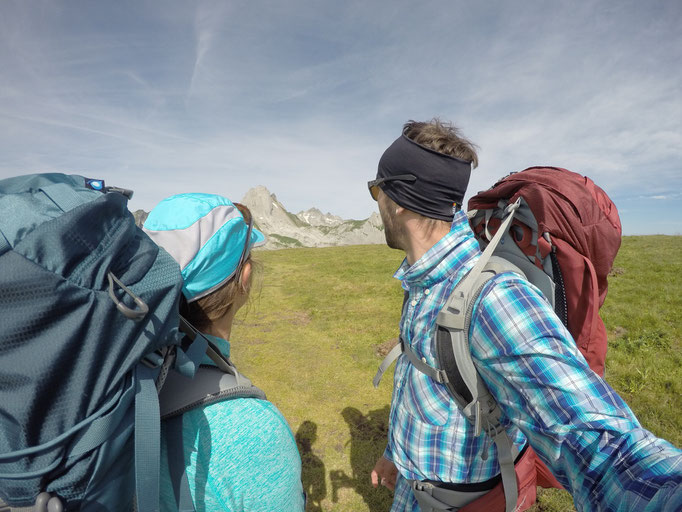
[303,96]
[673,195]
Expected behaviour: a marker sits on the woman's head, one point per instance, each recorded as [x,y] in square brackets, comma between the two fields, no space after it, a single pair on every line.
[211,239]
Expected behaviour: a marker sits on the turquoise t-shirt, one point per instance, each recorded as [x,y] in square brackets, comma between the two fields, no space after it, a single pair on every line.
[241,456]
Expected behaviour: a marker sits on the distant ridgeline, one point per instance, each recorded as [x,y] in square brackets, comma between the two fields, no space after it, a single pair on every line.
[310,228]
[140,217]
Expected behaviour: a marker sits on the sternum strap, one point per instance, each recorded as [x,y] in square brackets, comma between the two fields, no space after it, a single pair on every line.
[421,365]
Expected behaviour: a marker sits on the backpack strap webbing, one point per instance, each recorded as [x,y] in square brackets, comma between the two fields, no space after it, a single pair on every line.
[63,195]
[387,362]
[212,351]
[147,439]
[176,464]
[401,348]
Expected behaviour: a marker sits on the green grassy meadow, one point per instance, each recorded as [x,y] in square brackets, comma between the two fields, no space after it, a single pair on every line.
[320,320]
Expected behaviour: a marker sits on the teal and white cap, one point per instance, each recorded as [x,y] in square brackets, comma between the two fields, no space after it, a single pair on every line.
[207,235]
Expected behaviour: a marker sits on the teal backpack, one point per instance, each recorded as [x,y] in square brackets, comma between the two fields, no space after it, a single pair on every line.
[89,331]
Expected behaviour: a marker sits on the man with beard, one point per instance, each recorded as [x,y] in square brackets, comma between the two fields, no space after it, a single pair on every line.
[549,397]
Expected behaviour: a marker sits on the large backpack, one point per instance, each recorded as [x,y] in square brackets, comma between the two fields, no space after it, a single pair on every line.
[89,330]
[570,232]
[561,232]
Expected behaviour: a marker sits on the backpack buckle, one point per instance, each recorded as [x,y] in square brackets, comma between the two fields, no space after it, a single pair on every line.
[423,487]
[153,359]
[512,207]
[442,377]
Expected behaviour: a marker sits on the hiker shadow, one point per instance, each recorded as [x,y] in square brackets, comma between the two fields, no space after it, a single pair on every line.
[312,468]
[368,435]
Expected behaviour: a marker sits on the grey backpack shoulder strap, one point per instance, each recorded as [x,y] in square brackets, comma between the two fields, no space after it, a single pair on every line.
[209,385]
[458,373]
[454,353]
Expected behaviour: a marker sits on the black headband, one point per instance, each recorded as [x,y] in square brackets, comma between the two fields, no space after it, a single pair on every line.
[441,179]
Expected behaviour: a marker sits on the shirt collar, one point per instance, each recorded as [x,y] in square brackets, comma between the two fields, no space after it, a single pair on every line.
[447,257]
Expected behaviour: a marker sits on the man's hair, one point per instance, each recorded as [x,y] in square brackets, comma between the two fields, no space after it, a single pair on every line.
[202,312]
[443,137]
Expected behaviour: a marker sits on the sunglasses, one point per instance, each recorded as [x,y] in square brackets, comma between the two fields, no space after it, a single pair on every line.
[374,185]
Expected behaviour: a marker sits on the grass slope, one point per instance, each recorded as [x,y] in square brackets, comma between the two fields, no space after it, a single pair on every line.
[313,333]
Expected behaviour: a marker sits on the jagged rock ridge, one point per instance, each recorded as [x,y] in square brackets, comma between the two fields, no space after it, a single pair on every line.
[315,217]
[140,217]
[309,228]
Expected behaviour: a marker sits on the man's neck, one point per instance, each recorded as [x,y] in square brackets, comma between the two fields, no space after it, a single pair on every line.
[419,240]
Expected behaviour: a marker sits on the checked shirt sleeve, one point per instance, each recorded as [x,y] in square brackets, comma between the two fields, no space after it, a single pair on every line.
[579,426]
[388,453]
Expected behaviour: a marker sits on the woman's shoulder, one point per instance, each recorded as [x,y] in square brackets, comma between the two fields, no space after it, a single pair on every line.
[242,456]
[239,417]
[248,408]
[247,446]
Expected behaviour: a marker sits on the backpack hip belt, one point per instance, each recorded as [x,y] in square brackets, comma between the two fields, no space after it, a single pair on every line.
[432,498]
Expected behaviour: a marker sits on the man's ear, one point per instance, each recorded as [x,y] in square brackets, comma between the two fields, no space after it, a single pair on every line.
[399,210]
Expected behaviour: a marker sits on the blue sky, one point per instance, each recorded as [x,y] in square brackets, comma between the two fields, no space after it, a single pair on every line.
[303,96]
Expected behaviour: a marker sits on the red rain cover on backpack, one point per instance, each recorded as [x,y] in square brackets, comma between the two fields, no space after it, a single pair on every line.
[585,230]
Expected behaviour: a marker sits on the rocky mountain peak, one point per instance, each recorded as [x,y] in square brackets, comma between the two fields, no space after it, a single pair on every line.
[260,197]
[309,228]
[315,217]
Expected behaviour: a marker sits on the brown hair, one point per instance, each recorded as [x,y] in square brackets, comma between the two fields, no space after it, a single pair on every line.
[443,137]
[202,312]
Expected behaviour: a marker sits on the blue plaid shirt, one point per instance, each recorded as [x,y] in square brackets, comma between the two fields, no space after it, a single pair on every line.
[577,424]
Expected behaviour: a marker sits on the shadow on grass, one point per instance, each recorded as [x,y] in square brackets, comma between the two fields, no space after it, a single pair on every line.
[368,434]
[312,470]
